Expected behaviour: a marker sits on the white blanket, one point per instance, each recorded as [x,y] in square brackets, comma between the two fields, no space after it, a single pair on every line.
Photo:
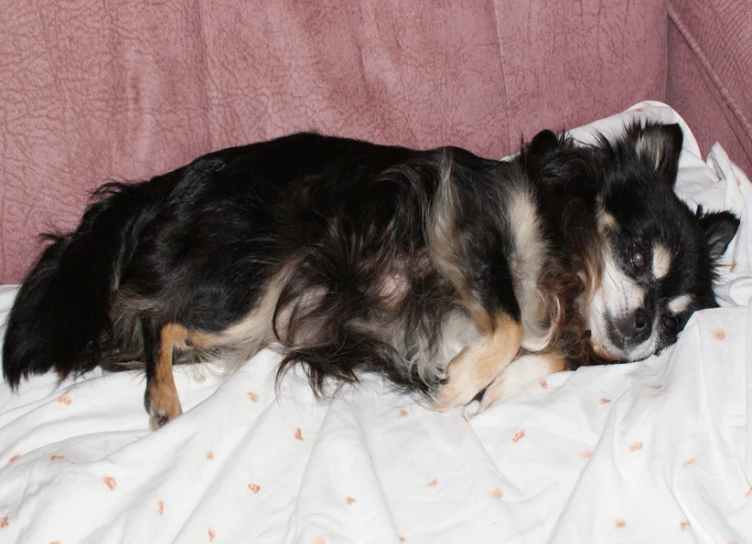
[658,451]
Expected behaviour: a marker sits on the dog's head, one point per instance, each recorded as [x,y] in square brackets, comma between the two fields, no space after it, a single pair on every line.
[658,256]
[655,258]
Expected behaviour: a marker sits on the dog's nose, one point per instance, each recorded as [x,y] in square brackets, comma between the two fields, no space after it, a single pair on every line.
[636,327]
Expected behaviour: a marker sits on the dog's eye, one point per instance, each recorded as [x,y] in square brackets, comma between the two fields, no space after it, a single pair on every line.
[670,323]
[638,258]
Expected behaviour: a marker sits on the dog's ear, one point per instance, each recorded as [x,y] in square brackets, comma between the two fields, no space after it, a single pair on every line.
[719,229]
[542,146]
[659,146]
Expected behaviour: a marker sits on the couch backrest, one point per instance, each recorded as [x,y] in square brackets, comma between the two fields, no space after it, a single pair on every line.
[94,91]
[710,72]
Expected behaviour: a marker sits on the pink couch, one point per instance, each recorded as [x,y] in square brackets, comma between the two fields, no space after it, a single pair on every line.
[124,90]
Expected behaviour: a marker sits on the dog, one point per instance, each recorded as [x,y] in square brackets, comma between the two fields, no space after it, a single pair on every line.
[433,268]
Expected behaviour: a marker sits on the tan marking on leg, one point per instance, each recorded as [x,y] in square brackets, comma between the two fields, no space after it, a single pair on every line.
[164,403]
[247,336]
[526,263]
[233,346]
[477,365]
[254,330]
[444,249]
[526,370]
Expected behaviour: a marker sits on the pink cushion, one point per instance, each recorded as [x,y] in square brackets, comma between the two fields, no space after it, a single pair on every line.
[125,90]
[710,75]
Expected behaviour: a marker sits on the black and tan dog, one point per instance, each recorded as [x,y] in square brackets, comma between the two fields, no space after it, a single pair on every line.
[433,268]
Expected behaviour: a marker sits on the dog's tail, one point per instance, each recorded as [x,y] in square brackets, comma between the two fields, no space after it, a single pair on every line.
[60,318]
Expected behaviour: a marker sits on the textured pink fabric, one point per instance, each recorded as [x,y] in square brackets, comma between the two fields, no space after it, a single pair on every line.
[94,90]
[710,72]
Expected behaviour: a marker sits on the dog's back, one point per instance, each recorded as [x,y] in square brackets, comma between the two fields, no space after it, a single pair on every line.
[206,244]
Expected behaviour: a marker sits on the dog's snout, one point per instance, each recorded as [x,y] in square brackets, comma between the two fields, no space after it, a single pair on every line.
[635,327]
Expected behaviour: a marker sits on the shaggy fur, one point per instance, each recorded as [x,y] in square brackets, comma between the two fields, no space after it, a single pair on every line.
[432,268]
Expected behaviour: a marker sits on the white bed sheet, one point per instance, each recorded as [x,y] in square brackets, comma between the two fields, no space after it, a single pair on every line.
[657,451]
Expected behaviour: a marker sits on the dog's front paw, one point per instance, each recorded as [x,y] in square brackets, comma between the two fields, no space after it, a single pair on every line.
[477,365]
[458,387]
[163,406]
[500,389]
[522,373]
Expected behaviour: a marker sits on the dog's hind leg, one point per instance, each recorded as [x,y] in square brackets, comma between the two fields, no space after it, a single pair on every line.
[161,399]
[247,335]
